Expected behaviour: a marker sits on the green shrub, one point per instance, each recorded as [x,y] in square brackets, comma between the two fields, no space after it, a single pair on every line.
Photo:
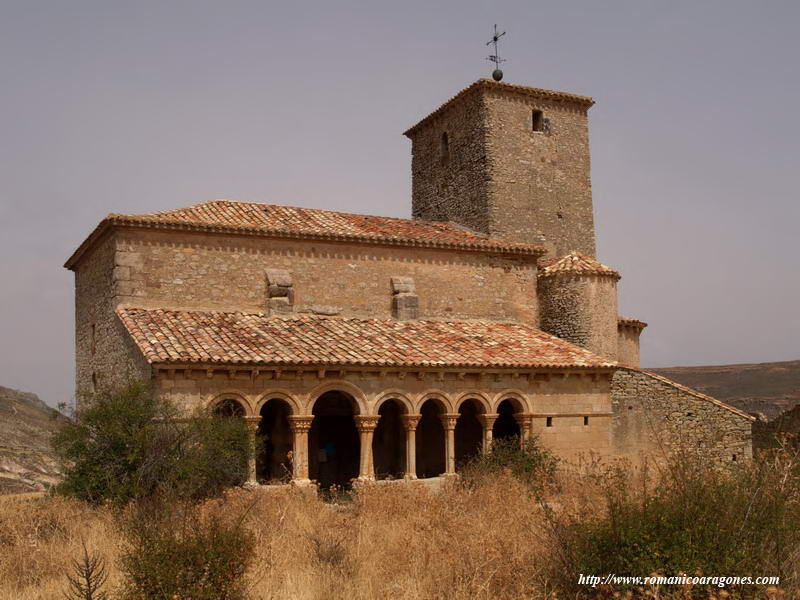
[699,518]
[129,445]
[527,460]
[183,552]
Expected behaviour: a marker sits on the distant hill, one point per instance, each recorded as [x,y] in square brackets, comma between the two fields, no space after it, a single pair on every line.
[766,388]
[26,424]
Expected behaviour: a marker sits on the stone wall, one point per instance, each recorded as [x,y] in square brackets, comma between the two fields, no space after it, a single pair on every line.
[628,345]
[450,184]
[581,309]
[653,415]
[105,355]
[540,181]
[208,272]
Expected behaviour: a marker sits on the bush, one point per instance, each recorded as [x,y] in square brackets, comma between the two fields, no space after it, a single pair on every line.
[698,519]
[129,445]
[184,552]
[525,460]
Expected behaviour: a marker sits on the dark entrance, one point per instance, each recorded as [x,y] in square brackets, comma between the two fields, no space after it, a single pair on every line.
[505,426]
[333,441]
[274,465]
[388,442]
[469,432]
[430,441]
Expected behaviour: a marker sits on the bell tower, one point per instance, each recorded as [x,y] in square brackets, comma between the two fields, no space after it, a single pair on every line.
[508,161]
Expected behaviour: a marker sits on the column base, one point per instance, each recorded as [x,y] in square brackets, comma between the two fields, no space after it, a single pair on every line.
[409,477]
[302,483]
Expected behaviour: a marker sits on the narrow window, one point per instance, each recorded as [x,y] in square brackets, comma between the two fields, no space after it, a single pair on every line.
[549,422]
[94,382]
[537,121]
[734,458]
[445,149]
[94,339]
[585,421]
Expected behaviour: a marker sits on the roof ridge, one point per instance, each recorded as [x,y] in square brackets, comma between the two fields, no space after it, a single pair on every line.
[297,222]
[489,84]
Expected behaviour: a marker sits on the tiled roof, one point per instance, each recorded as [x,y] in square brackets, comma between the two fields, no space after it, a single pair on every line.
[489,84]
[575,262]
[691,392]
[295,222]
[166,336]
[626,322]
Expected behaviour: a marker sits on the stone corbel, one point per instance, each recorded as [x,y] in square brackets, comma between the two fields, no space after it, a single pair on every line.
[405,302]
[280,291]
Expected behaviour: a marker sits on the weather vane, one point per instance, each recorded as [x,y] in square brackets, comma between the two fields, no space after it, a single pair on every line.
[497,74]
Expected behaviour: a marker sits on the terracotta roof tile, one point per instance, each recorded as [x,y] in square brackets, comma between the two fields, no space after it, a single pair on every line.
[166,336]
[575,262]
[295,222]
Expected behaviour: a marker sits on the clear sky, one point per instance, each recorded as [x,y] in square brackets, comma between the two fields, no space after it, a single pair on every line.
[130,107]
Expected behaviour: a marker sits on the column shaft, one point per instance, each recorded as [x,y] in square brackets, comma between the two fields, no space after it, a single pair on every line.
[410,423]
[300,426]
[449,422]
[366,425]
[252,434]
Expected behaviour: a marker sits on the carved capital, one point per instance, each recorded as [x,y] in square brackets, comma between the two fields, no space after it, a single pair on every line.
[449,420]
[410,422]
[252,422]
[300,423]
[366,422]
[525,420]
[488,420]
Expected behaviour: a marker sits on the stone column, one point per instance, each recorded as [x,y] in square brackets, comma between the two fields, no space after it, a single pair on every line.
[366,425]
[525,421]
[410,423]
[252,434]
[449,424]
[300,425]
[488,423]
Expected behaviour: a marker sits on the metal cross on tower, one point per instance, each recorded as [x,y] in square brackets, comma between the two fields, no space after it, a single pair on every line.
[497,74]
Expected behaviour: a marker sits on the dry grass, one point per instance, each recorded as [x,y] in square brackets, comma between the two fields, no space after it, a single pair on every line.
[398,541]
[489,540]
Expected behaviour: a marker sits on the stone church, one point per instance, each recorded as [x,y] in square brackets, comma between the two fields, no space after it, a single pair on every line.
[363,347]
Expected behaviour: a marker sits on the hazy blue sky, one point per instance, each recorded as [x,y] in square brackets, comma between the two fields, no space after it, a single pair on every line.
[139,106]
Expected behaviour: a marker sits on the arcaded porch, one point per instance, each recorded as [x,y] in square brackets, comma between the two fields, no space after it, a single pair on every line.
[336,445]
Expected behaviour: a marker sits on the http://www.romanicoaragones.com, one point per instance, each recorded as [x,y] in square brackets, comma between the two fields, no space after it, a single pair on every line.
[650,580]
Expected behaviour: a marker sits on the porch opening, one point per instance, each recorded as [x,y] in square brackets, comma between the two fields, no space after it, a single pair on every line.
[430,440]
[273,464]
[469,432]
[333,441]
[229,407]
[506,426]
[388,442]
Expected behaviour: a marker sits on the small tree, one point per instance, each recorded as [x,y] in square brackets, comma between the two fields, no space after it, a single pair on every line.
[88,578]
[527,460]
[131,444]
[179,551]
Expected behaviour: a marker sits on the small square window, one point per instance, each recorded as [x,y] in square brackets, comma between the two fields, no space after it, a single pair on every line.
[537,121]
[549,422]
[585,421]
